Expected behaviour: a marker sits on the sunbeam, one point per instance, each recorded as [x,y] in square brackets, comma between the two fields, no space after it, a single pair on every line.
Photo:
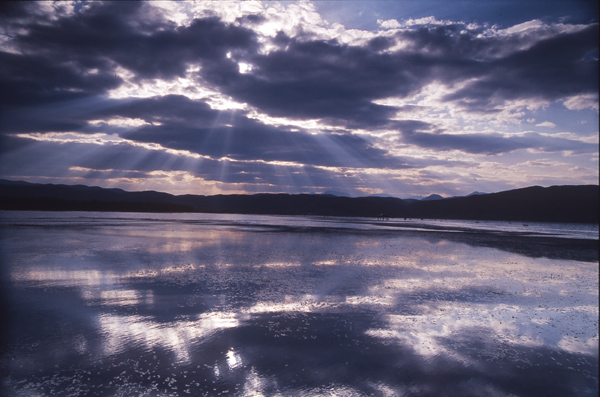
[213,90]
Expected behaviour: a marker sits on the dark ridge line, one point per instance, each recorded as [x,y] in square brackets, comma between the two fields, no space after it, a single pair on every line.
[570,203]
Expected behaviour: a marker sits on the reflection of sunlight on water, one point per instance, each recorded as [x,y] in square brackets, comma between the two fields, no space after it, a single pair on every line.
[306,304]
[120,297]
[168,270]
[315,303]
[124,332]
[233,359]
[116,297]
[334,391]
[174,246]
[50,277]
[369,300]
[74,278]
[254,384]
[325,263]
[279,264]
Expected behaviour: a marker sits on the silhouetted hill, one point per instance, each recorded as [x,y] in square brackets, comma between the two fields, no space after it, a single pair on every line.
[297,204]
[432,197]
[50,197]
[552,204]
[336,193]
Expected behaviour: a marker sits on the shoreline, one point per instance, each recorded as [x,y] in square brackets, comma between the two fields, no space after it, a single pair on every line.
[532,243]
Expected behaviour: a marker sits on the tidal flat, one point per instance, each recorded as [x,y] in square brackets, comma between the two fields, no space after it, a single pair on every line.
[120,304]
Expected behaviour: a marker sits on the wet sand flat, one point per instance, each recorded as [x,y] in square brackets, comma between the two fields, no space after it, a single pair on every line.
[191,304]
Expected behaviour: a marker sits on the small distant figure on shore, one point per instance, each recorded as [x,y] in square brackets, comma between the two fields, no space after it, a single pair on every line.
[382,217]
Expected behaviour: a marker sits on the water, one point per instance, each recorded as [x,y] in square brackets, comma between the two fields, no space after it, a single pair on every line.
[195,304]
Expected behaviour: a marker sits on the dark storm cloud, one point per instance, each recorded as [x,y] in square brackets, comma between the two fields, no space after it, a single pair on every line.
[47,109]
[164,109]
[65,63]
[323,79]
[125,33]
[553,68]
[423,135]
[304,78]
[32,80]
[338,82]
[64,67]
[13,10]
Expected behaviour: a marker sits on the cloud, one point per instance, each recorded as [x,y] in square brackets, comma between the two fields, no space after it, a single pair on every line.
[132,37]
[304,77]
[318,79]
[585,101]
[423,135]
[242,85]
[29,80]
[548,124]
[193,125]
[552,68]
[389,24]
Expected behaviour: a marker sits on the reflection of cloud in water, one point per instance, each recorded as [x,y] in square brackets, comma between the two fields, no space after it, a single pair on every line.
[121,297]
[315,303]
[574,344]
[121,332]
[65,277]
[508,325]
[261,311]
[279,264]
[96,277]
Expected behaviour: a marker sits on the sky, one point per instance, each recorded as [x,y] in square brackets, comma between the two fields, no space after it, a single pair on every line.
[402,98]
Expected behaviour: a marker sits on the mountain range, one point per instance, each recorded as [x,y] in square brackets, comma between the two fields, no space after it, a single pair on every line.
[571,203]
